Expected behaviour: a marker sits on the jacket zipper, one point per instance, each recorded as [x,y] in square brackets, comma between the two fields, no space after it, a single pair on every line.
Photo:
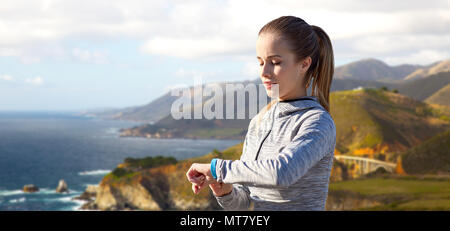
[260,145]
[265,137]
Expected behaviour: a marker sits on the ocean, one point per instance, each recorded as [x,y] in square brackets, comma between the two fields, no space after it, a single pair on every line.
[41,148]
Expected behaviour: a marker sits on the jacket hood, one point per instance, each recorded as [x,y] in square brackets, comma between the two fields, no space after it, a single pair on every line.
[287,107]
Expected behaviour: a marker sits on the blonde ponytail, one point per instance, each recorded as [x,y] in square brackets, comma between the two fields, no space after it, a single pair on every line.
[324,70]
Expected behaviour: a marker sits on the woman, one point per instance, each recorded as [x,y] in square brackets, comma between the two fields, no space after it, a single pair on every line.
[288,150]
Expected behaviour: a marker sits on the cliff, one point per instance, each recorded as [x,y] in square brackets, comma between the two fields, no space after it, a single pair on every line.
[157,188]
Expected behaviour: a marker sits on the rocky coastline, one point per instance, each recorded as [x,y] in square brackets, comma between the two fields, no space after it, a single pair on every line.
[172,134]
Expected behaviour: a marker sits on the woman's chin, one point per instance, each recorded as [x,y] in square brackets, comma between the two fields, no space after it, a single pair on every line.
[273,92]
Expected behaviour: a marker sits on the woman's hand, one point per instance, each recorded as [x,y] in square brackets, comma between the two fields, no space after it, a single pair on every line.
[200,176]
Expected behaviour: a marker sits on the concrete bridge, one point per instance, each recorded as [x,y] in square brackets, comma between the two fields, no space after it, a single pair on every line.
[367,165]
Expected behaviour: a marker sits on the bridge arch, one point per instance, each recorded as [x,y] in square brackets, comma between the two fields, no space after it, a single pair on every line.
[366,165]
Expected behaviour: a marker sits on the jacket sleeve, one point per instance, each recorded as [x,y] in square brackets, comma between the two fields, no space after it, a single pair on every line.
[316,138]
[239,198]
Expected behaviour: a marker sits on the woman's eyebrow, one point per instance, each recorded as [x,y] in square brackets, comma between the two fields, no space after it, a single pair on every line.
[272,56]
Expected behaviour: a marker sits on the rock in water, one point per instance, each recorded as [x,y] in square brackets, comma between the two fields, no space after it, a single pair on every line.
[89,194]
[30,188]
[62,187]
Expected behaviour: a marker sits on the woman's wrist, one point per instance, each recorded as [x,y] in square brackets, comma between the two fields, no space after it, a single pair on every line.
[213,168]
[221,189]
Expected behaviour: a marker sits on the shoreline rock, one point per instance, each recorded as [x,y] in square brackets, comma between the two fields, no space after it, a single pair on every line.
[30,188]
[89,196]
[62,187]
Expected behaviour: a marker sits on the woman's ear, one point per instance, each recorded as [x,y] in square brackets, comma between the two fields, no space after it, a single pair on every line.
[305,64]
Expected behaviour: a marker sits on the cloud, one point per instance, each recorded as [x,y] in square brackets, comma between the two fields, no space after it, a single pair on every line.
[366,5]
[6,77]
[192,48]
[192,73]
[34,81]
[20,82]
[398,43]
[87,56]
[420,57]
[34,53]
[204,29]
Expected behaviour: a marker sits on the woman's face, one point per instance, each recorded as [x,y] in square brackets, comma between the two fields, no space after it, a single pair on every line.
[281,75]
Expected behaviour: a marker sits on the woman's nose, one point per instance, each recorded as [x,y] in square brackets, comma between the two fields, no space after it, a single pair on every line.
[266,71]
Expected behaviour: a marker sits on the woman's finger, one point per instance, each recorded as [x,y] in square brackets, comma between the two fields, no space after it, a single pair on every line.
[200,187]
[197,179]
[194,189]
[191,172]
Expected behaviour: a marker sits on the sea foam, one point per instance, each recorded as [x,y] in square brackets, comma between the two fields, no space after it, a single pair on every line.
[94,172]
[10,192]
[19,200]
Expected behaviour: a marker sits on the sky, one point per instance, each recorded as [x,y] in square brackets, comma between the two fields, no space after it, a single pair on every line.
[80,55]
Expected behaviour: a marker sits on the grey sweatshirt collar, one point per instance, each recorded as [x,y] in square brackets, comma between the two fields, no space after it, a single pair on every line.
[284,108]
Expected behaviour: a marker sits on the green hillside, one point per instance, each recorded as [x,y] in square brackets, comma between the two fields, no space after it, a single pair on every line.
[431,156]
[378,121]
[441,97]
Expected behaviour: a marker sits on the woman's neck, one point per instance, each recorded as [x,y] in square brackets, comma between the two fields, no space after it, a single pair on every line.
[295,95]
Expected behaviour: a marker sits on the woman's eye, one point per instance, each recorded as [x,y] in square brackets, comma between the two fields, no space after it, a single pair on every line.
[272,63]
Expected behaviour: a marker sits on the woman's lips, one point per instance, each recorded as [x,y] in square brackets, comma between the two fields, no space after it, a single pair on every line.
[268,84]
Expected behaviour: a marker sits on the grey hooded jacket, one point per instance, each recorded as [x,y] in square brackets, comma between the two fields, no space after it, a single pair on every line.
[286,161]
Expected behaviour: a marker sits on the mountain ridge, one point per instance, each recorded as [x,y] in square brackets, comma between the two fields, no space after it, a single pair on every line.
[160,107]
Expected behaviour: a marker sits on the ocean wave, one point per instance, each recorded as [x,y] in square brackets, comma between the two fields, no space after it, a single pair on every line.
[77,203]
[94,172]
[19,200]
[46,191]
[10,192]
[41,191]
[66,199]
[75,192]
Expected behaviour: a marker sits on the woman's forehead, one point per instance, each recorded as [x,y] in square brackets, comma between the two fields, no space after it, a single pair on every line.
[269,45]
